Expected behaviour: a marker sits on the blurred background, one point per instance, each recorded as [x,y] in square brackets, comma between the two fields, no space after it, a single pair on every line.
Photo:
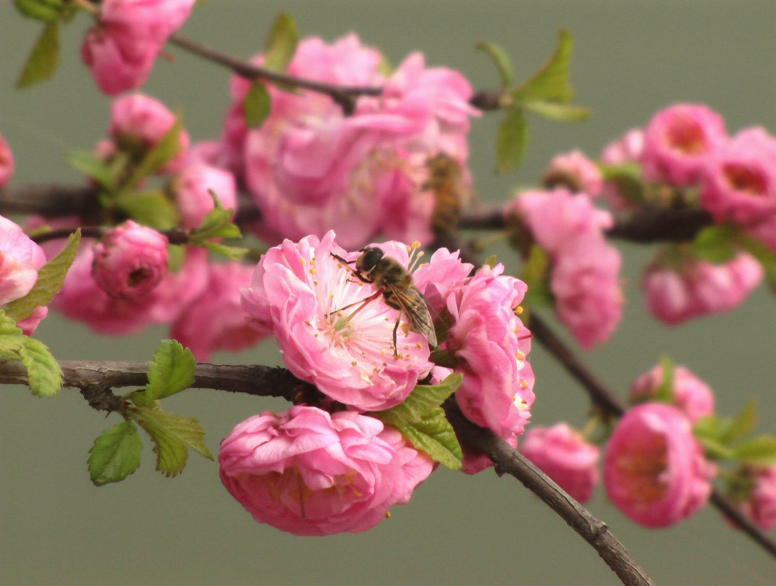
[630,60]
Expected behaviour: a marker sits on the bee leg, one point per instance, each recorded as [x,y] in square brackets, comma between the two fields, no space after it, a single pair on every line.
[395,347]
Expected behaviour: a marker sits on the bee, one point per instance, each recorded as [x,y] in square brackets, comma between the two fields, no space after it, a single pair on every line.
[446,182]
[394,283]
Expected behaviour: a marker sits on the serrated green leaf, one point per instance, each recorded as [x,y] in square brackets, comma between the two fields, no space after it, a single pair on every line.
[43,10]
[93,167]
[230,252]
[171,370]
[281,43]
[43,59]
[556,111]
[511,140]
[760,450]
[551,81]
[434,435]
[741,425]
[8,325]
[422,400]
[115,454]
[44,375]
[150,208]
[716,244]
[665,391]
[49,282]
[500,60]
[171,435]
[153,160]
[257,105]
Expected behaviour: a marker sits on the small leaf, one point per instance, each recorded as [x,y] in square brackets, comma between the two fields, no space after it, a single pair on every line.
[500,60]
[716,244]
[714,450]
[434,435]
[93,167]
[422,400]
[511,140]
[556,111]
[627,179]
[49,282]
[665,392]
[535,273]
[230,252]
[43,59]
[115,454]
[150,208]
[43,10]
[281,43]
[743,423]
[176,256]
[164,151]
[257,105]
[171,370]
[44,375]
[216,224]
[551,81]
[760,450]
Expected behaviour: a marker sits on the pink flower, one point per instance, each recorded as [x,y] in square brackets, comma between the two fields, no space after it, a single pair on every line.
[760,504]
[311,168]
[139,122]
[575,171]
[122,47]
[564,455]
[654,470]
[192,192]
[311,473]
[688,288]
[313,305]
[216,319]
[7,164]
[764,231]
[689,394]
[739,180]
[625,150]
[678,141]
[130,260]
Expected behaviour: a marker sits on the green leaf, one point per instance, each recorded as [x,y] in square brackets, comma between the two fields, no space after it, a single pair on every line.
[421,401]
[93,167]
[257,105]
[115,454]
[230,252]
[551,81]
[11,337]
[50,279]
[171,435]
[150,208]
[535,273]
[500,60]
[511,140]
[716,244]
[434,435]
[43,59]
[760,450]
[164,151]
[741,425]
[216,224]
[627,179]
[714,450]
[176,257]
[556,111]
[171,370]
[281,44]
[44,10]
[44,375]
[665,392]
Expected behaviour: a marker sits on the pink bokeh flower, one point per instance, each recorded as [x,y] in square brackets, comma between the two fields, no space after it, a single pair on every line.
[691,395]
[678,141]
[129,34]
[309,472]
[564,455]
[216,320]
[130,260]
[575,171]
[760,503]
[679,290]
[654,469]
[625,150]
[7,163]
[191,189]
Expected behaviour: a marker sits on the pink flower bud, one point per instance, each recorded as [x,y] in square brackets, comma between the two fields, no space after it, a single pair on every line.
[654,469]
[130,260]
[760,503]
[677,142]
[309,472]
[192,192]
[564,455]
[690,394]
[574,171]
[7,164]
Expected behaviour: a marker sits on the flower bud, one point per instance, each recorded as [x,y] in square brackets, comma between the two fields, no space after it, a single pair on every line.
[690,394]
[7,164]
[192,192]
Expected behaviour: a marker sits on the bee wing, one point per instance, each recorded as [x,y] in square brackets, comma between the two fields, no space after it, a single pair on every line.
[414,305]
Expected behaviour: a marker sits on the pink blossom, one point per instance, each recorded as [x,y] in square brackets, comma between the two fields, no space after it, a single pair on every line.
[7,164]
[564,455]
[309,472]
[654,470]
[764,230]
[130,260]
[139,122]
[575,171]
[30,324]
[678,291]
[313,305]
[122,47]
[689,394]
[625,150]
[192,192]
[677,142]
[216,320]
[739,178]
[760,504]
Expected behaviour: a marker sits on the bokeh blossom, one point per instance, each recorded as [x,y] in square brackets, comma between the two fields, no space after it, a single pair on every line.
[689,394]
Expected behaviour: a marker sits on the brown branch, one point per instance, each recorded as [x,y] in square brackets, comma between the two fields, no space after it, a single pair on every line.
[51,200]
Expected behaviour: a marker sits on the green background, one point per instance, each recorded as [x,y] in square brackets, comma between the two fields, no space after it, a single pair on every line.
[631,59]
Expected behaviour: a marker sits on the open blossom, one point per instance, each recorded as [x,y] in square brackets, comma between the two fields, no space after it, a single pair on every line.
[192,187]
[315,306]
[690,394]
[678,141]
[760,503]
[309,472]
[216,320]
[130,260]
[7,164]
[564,455]
[692,288]
[574,171]
[654,469]
[122,47]
[310,167]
